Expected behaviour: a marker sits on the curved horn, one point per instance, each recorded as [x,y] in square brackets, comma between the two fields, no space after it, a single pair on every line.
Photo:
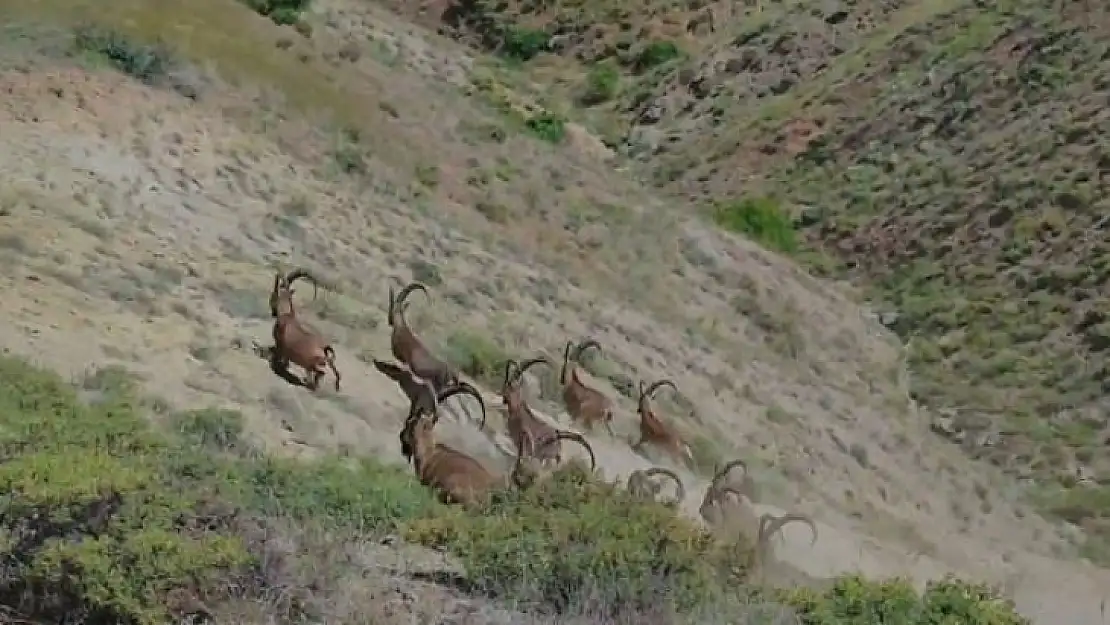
[301,272]
[654,386]
[564,435]
[510,370]
[769,524]
[527,364]
[463,388]
[423,404]
[680,488]
[715,483]
[584,345]
[274,294]
[566,362]
[396,302]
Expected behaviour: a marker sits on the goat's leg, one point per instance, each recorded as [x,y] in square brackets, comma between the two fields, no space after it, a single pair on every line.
[609,423]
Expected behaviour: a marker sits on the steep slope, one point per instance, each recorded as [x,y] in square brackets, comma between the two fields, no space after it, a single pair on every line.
[142,215]
[946,156]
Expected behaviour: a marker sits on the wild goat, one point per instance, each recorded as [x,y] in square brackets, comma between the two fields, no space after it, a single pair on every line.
[769,525]
[641,485]
[584,404]
[409,349]
[726,505]
[411,385]
[654,431]
[541,441]
[456,477]
[716,502]
[295,341]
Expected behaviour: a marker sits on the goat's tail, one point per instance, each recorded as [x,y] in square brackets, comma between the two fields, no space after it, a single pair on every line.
[329,353]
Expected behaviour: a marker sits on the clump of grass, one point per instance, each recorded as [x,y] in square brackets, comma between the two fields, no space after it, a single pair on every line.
[105,519]
[523,44]
[761,219]
[475,355]
[573,536]
[657,53]
[547,126]
[602,84]
[149,63]
[280,11]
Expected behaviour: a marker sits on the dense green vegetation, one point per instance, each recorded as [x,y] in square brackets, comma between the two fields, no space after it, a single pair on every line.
[111,519]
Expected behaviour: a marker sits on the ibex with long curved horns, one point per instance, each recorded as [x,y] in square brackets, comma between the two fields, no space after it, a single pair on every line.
[586,405]
[294,340]
[409,349]
[726,505]
[541,441]
[716,506]
[455,476]
[654,431]
[641,485]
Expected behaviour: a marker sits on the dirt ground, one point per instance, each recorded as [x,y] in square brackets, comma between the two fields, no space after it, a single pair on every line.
[139,227]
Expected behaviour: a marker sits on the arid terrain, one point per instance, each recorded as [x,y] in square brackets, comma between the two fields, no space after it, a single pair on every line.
[160,164]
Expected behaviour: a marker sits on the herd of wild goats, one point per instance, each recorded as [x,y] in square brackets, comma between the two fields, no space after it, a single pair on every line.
[457,477]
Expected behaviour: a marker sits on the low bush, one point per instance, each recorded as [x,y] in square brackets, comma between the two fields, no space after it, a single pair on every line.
[761,219]
[106,520]
[572,537]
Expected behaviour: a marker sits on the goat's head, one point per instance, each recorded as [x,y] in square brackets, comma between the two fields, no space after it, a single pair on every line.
[647,392]
[424,414]
[514,378]
[525,472]
[719,487]
[769,524]
[398,303]
[281,296]
[640,483]
[574,353]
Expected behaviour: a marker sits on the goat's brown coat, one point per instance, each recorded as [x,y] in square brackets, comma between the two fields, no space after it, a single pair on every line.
[407,348]
[295,341]
[586,405]
[654,431]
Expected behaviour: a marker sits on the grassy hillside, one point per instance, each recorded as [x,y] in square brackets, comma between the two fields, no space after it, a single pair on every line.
[109,520]
[945,156]
[160,161]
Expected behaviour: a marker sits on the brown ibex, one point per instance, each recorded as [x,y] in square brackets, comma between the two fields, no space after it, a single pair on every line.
[726,505]
[641,485]
[294,340]
[769,525]
[409,349]
[714,506]
[584,404]
[411,385]
[541,441]
[653,431]
[455,476]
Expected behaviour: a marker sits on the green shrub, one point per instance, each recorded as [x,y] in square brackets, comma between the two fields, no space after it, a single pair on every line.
[477,356]
[761,219]
[602,84]
[657,53]
[523,44]
[149,63]
[106,519]
[547,126]
[852,600]
[572,537]
[280,11]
